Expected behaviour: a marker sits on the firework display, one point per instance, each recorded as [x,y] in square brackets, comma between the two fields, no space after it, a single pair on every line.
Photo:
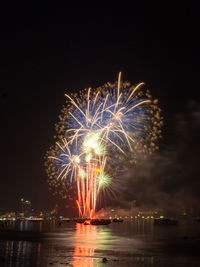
[100,131]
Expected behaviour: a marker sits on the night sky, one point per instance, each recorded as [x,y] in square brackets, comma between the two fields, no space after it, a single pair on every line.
[47,53]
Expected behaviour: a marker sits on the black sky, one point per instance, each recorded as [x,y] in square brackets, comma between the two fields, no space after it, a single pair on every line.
[44,53]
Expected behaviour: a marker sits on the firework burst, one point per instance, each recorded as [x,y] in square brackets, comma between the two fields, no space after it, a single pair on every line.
[98,132]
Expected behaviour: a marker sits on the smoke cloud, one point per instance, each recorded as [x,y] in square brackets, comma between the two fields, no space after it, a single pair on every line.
[170,178]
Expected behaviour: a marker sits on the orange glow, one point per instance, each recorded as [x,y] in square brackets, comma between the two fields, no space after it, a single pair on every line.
[83,256]
[98,170]
[79,208]
[86,193]
[91,213]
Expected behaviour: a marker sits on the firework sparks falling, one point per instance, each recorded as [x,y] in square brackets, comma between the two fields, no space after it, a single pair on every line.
[99,130]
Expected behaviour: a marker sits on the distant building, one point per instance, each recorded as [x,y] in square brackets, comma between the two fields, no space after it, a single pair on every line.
[25,207]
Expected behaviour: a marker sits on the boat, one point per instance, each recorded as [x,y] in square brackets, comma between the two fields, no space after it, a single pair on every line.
[80,220]
[165,221]
[118,220]
[66,219]
[100,221]
[87,222]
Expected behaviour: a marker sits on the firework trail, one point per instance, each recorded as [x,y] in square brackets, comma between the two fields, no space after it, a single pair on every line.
[99,131]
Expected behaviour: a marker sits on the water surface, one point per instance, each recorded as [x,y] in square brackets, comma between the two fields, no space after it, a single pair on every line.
[131,243]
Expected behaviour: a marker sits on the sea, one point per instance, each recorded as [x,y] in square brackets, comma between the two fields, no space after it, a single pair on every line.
[136,242]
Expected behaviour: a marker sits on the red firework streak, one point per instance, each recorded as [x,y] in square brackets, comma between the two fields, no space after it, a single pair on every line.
[86,187]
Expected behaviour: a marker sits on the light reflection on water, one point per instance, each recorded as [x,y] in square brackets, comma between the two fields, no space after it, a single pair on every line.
[85,238]
[137,243]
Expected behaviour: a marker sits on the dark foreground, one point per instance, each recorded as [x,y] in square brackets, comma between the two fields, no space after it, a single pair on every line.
[131,243]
